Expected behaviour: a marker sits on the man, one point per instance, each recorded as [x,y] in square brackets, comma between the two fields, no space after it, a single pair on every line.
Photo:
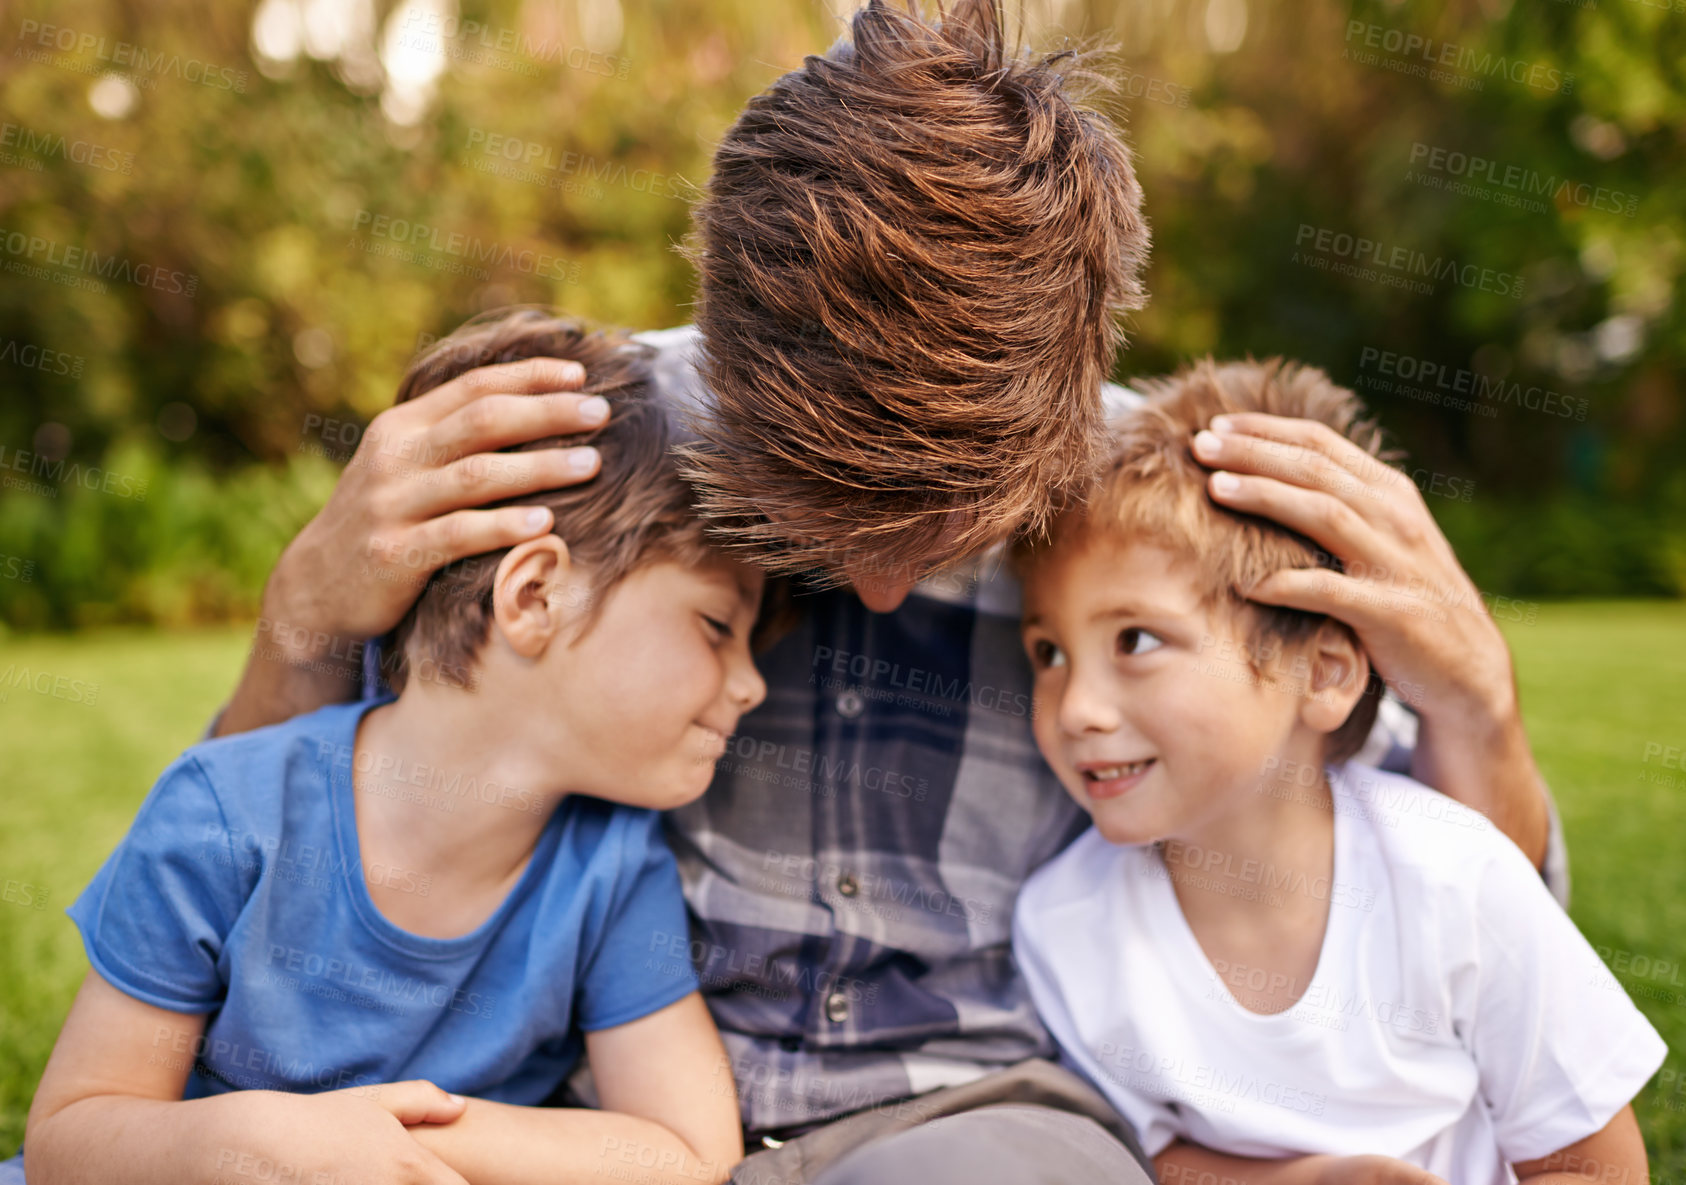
[911,256]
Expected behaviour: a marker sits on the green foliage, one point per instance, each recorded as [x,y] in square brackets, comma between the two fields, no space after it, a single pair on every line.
[186,546]
[257,268]
[1571,546]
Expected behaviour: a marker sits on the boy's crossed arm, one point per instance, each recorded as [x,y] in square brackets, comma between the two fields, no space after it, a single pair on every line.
[669,1114]
[110,1109]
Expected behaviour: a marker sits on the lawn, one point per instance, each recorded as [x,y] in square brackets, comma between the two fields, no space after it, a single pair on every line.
[1603,688]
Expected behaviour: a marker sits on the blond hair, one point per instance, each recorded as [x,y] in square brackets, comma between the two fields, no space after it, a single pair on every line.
[1151,488]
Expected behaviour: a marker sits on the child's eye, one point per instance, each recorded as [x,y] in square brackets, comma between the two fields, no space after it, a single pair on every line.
[722,630]
[1045,654]
[1138,641]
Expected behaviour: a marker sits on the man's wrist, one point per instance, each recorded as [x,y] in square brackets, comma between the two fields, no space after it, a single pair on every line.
[1482,759]
[291,628]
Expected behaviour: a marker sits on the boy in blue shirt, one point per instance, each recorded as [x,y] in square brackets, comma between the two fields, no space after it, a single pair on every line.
[361,945]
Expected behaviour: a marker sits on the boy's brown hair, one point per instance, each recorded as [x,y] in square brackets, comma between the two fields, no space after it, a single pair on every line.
[637,509]
[912,253]
[1151,488]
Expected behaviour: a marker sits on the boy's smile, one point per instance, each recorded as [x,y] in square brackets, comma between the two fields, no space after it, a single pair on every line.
[1109,780]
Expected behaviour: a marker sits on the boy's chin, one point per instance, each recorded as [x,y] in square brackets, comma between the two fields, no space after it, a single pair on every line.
[676,788]
[1123,824]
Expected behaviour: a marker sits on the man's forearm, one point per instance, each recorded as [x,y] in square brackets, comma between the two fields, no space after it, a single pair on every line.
[1483,760]
[293,666]
[1191,1164]
[500,1144]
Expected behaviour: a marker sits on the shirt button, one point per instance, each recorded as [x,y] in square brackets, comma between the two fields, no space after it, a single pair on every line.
[850,704]
[847,885]
[837,1008]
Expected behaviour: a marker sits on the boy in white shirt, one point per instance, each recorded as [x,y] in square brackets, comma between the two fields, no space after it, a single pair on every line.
[1279,965]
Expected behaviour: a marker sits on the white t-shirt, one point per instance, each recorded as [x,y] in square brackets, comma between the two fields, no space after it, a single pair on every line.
[1456,1018]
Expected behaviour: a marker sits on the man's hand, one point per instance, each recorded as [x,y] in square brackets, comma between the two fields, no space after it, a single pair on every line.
[407,504]
[1372,1170]
[1183,1163]
[403,507]
[1418,615]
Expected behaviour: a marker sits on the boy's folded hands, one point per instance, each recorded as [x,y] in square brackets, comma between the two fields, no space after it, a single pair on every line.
[362,1134]
[411,1103]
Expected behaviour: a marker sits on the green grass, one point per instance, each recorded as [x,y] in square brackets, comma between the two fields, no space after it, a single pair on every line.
[1600,682]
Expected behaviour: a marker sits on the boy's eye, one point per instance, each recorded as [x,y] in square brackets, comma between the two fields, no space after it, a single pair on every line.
[1138,641]
[721,629]
[1044,653]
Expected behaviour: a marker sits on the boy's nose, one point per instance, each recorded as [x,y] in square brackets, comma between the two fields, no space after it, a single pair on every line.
[1086,707]
[745,685]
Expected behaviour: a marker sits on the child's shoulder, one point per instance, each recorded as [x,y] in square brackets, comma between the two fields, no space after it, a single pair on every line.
[1071,878]
[321,734]
[1416,826]
[611,832]
[245,771]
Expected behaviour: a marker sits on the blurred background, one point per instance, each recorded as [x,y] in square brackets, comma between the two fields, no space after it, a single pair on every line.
[226,228]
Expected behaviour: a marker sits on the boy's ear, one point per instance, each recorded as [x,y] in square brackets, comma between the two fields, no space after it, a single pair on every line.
[531,594]
[1340,671]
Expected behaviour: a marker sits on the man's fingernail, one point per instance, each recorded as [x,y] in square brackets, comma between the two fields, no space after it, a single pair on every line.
[582,460]
[594,410]
[537,518]
[1225,483]
[1208,444]
[1222,424]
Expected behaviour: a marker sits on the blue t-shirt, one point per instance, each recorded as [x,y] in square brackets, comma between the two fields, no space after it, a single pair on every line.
[239,892]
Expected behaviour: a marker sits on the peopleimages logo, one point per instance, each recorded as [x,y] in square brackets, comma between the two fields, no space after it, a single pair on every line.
[416,242]
[44,258]
[145,64]
[1372,259]
[1473,175]
[1444,61]
[1448,384]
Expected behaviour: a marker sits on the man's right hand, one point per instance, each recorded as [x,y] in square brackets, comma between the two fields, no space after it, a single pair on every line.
[409,502]
[1372,1170]
[1183,1163]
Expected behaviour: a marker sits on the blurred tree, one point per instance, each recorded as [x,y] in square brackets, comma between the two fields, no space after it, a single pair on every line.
[225,229]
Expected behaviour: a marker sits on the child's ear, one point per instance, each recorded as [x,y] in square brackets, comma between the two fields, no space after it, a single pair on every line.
[1340,672]
[530,594]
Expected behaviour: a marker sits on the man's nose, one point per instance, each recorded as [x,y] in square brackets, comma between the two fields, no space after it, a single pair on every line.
[883,592]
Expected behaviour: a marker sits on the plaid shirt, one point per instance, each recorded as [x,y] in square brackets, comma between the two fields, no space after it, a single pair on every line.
[852,870]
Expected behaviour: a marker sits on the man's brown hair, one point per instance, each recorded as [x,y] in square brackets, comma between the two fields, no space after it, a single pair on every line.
[1152,489]
[635,511]
[913,252]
